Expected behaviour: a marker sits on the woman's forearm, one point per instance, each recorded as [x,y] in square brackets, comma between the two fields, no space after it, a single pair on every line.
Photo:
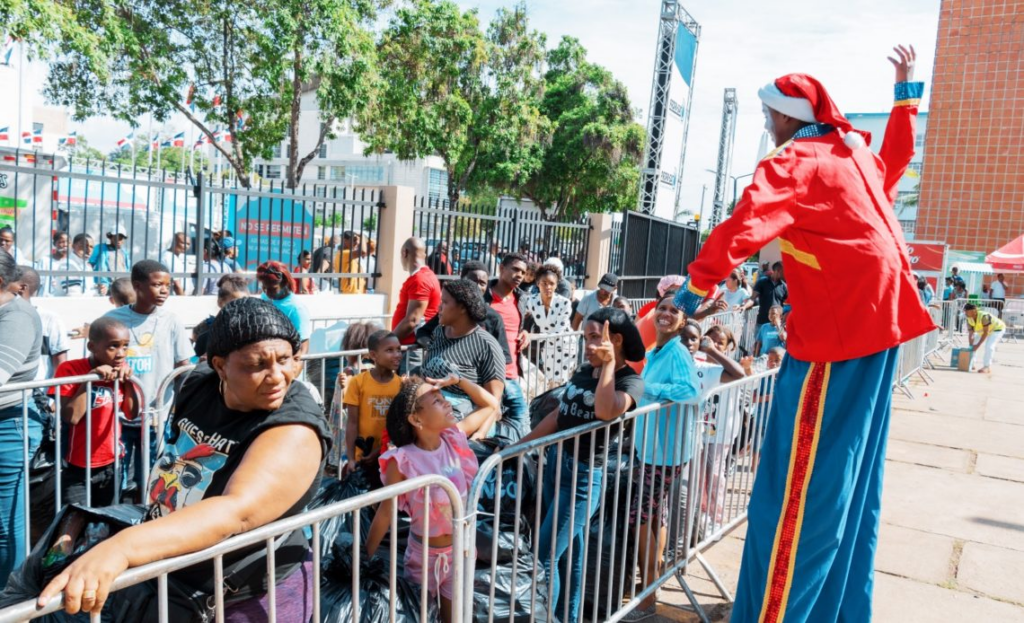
[608,403]
[187,530]
[547,426]
[483,396]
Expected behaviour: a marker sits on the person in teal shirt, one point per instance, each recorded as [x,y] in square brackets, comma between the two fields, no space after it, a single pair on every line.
[279,288]
[665,442]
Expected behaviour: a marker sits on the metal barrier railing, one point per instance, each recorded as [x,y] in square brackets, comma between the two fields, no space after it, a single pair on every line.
[267,534]
[749,336]
[718,442]
[53,425]
[699,491]
[549,360]
[735,321]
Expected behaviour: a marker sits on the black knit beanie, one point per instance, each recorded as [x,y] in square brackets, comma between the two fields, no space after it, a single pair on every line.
[246,321]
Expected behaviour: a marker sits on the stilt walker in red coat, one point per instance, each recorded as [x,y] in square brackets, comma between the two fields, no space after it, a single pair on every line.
[814,511]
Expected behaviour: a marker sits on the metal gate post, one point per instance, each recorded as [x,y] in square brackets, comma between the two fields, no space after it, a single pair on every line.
[200,243]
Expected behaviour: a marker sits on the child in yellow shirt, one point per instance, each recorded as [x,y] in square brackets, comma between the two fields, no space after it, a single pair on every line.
[366,401]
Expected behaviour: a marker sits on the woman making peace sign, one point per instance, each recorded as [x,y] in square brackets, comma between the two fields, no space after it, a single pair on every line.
[604,388]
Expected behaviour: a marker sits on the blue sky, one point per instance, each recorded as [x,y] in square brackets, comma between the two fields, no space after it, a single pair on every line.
[744,44]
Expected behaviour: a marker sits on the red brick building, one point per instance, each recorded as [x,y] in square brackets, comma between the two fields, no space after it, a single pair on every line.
[972,190]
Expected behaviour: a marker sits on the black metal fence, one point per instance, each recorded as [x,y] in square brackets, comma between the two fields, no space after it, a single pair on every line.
[82,223]
[651,248]
[488,233]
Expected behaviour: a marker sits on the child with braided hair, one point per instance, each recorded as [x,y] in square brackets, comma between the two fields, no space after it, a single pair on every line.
[422,428]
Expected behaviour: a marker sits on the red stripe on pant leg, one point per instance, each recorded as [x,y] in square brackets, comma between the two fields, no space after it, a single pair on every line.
[807,421]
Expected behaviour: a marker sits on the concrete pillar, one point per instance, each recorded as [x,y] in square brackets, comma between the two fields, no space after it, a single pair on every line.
[599,249]
[396,221]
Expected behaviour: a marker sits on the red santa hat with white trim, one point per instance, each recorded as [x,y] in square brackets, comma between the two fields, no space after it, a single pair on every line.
[802,97]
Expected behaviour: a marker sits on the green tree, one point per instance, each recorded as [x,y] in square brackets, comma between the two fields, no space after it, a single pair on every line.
[468,97]
[241,66]
[592,161]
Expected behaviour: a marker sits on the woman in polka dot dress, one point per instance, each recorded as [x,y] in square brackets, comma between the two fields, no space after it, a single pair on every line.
[553,314]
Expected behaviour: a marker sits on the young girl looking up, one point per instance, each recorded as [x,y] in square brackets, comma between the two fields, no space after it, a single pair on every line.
[422,427]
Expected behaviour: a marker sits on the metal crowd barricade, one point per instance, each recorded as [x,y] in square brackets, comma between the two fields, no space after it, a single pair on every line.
[549,360]
[714,446]
[53,424]
[266,535]
[731,428]
[749,334]
[734,321]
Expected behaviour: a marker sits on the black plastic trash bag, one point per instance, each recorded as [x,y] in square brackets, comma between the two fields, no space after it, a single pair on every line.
[510,544]
[511,489]
[529,605]
[374,592]
[42,482]
[332,491]
[75,530]
[543,405]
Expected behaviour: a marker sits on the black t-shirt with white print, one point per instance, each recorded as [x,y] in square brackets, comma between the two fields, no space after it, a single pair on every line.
[207,444]
[576,407]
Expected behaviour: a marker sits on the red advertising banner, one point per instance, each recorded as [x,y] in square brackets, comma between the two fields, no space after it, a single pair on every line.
[926,256]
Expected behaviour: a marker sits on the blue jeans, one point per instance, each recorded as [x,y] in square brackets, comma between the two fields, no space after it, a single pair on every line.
[513,406]
[572,500]
[14,482]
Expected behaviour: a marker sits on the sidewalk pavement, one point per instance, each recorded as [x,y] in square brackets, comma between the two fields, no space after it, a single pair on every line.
[951,544]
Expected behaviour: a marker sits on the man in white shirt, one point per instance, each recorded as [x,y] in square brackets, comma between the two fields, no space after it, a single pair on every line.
[176,260]
[997,291]
[75,266]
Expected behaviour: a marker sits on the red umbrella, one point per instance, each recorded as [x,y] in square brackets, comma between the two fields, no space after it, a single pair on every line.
[1008,259]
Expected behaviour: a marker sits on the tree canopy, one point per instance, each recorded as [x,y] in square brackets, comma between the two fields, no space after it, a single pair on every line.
[240,67]
[591,162]
[467,96]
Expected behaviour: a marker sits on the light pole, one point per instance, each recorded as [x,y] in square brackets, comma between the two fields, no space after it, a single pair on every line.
[735,183]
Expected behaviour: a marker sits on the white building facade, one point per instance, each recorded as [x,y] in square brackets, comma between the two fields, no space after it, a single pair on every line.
[910,185]
[341,160]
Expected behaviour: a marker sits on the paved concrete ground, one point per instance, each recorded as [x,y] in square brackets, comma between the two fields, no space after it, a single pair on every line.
[951,545]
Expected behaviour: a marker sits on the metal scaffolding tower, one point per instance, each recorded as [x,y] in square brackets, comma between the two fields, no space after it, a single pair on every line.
[725,144]
[672,16]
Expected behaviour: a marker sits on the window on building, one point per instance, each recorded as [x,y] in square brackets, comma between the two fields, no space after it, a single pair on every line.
[321,173]
[275,151]
[269,171]
[337,174]
[915,167]
[323,150]
[437,184]
[919,141]
[365,174]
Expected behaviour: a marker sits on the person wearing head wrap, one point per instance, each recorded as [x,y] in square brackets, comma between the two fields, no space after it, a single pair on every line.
[279,288]
[603,389]
[813,515]
[246,446]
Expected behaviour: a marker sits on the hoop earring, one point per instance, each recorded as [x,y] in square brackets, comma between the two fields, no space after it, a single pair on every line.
[220,388]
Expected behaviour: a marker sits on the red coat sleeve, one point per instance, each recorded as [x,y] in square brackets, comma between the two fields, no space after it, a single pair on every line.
[764,211]
[898,143]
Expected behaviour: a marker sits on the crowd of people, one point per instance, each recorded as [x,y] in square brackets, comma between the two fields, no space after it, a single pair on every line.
[449,370]
[460,381]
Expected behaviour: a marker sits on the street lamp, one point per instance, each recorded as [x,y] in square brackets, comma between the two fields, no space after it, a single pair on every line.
[735,182]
